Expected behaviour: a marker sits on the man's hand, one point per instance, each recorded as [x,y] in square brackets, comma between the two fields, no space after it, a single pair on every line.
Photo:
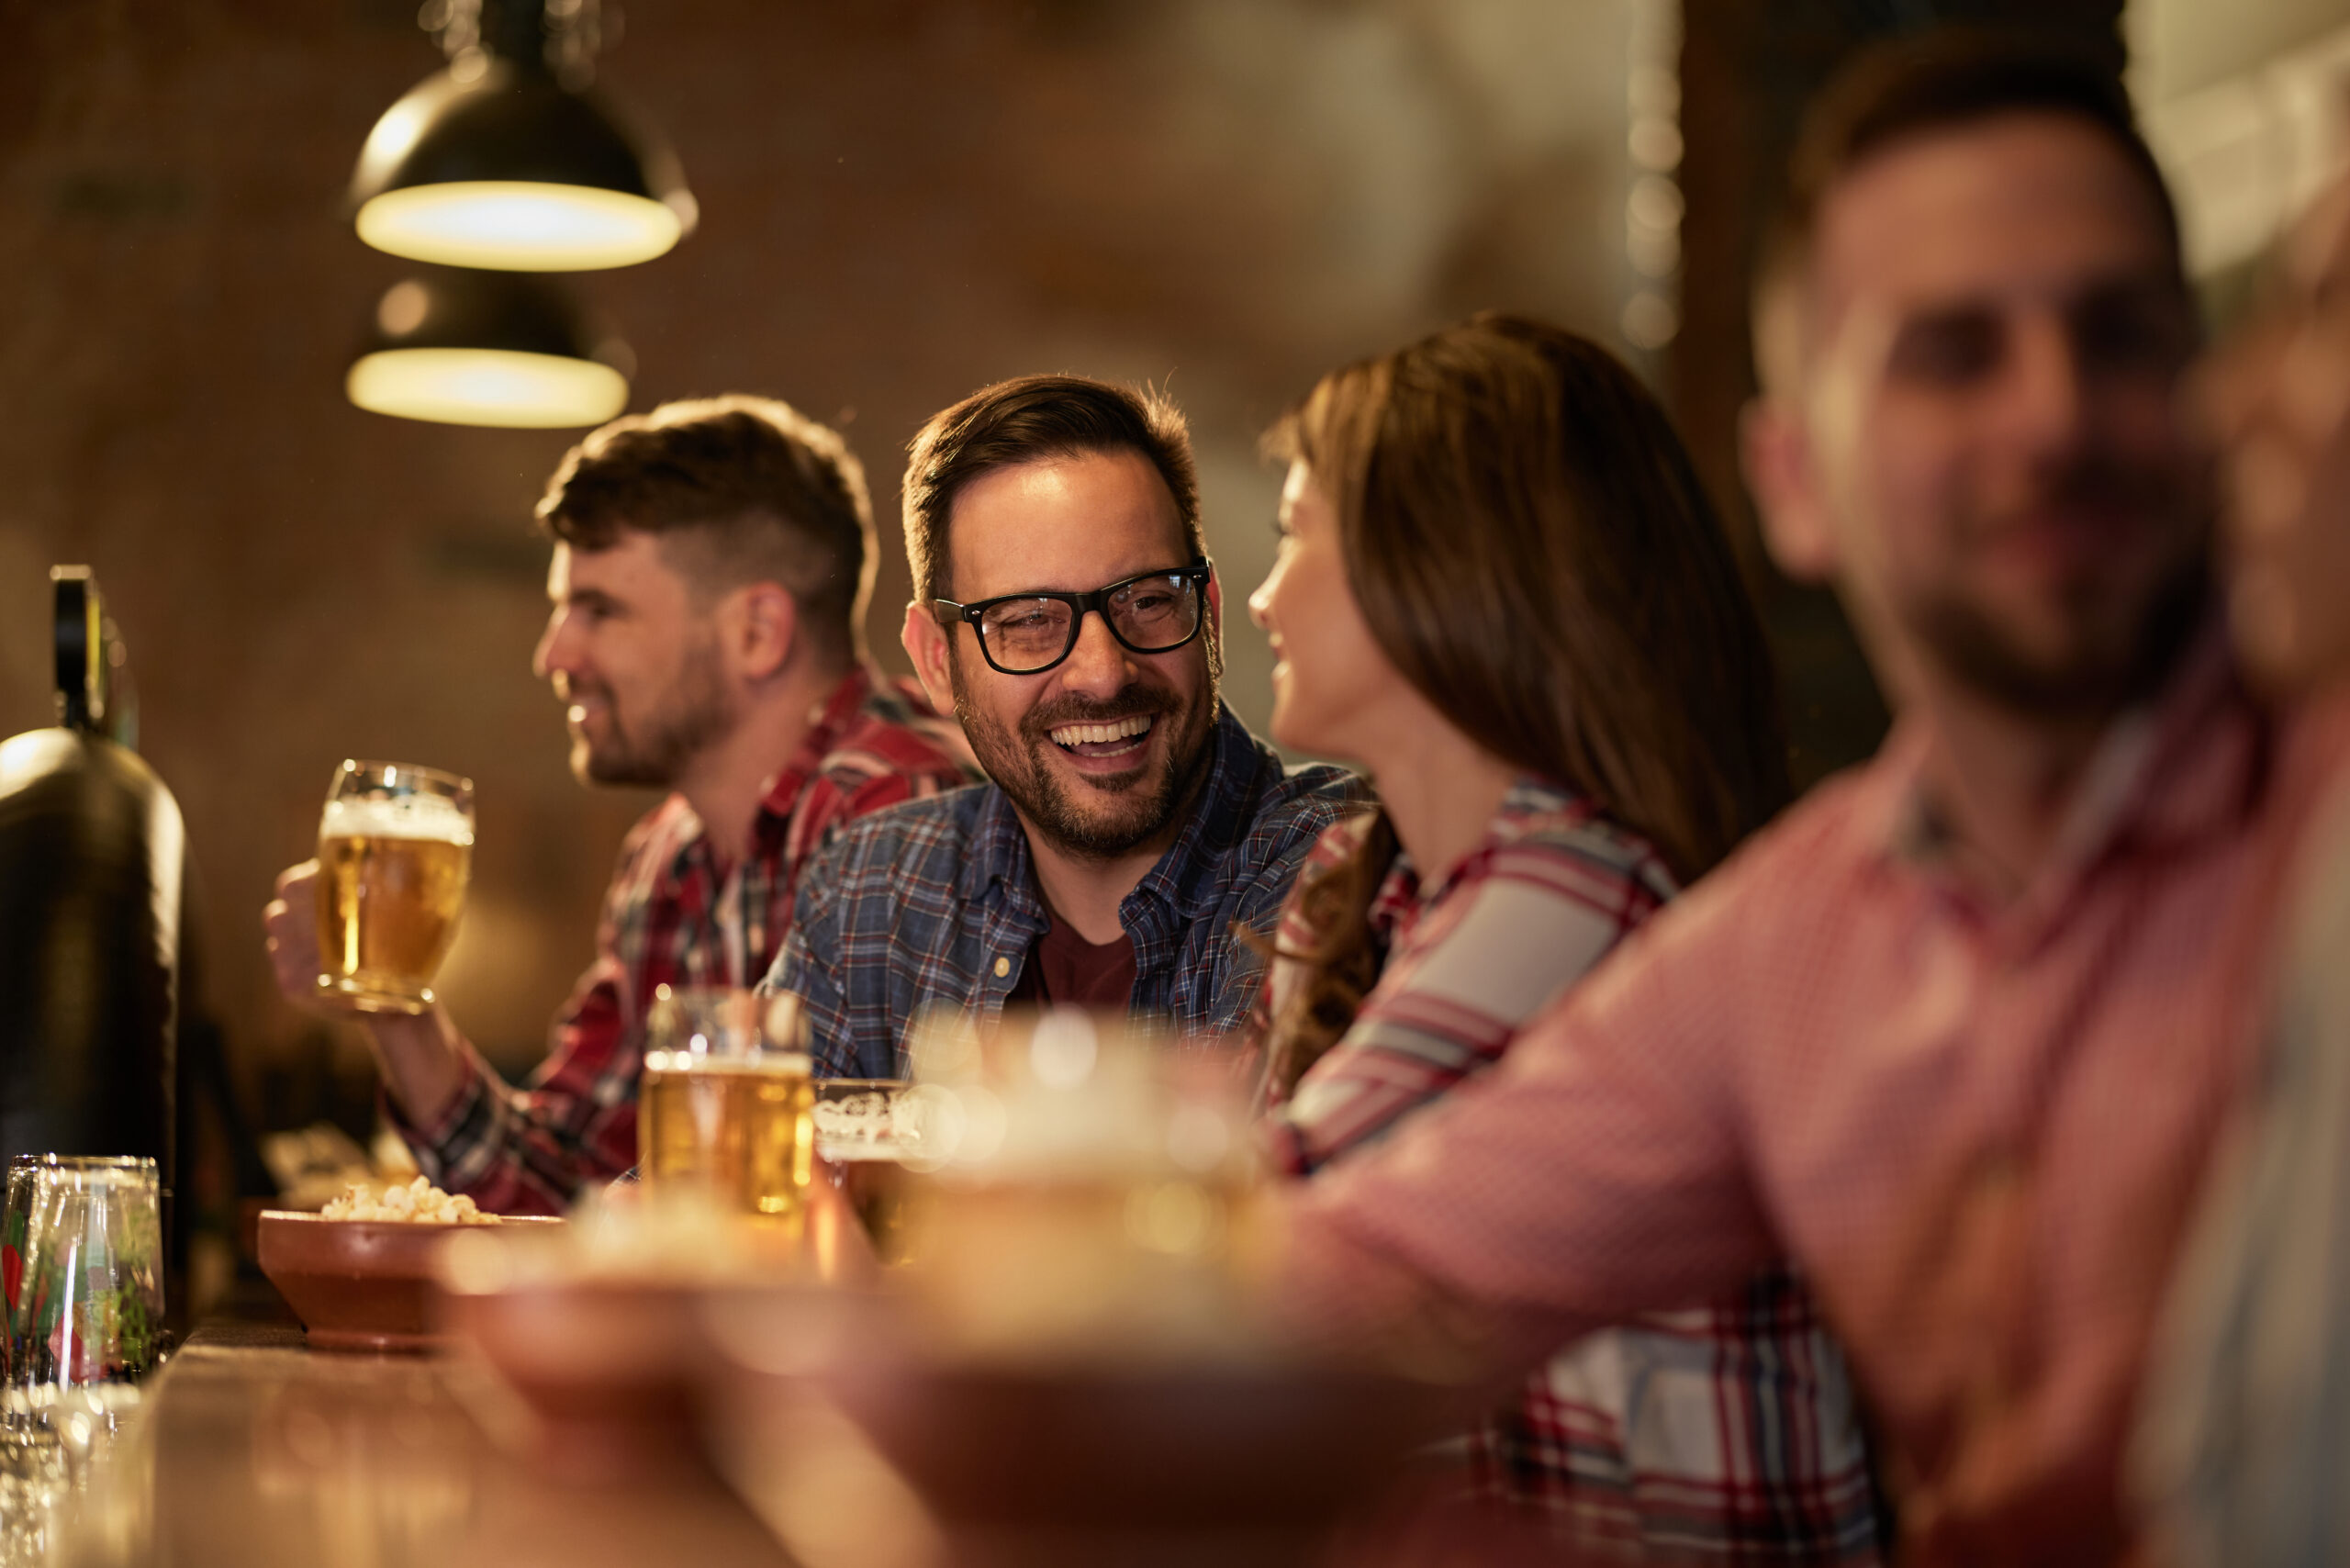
[291,921]
[421,1054]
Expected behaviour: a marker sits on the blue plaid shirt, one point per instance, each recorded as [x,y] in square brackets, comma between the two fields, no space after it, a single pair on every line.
[935,902]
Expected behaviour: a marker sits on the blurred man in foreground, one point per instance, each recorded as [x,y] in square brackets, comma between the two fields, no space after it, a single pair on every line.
[1958,1031]
[2249,1417]
[1066,608]
[712,567]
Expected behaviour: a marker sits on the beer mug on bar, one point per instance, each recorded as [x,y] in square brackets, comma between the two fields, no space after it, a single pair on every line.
[395,847]
[724,1107]
[868,1130]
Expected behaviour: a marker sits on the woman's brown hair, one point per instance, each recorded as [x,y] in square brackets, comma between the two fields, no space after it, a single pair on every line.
[1533,551]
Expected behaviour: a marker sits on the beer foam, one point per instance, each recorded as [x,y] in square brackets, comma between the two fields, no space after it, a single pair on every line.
[430,817]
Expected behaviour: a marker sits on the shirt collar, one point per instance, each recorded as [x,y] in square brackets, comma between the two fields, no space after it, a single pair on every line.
[2182,768]
[828,721]
[1184,877]
[1529,802]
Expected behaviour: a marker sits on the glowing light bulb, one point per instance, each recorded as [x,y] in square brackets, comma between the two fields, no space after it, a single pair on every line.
[519,225]
[486,386]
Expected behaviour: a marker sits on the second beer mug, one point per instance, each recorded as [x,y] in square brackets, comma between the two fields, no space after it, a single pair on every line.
[395,848]
[726,1104]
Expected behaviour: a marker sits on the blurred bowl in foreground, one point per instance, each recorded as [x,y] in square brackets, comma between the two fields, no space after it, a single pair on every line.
[1077,1453]
[597,1331]
[606,1369]
[1080,1462]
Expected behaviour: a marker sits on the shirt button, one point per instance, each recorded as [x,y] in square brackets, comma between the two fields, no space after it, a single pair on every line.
[1002,968]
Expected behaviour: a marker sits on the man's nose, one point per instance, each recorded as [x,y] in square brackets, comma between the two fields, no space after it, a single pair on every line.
[2046,393]
[1099,662]
[553,652]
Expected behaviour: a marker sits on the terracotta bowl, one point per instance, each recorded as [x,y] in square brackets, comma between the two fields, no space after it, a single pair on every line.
[1058,1466]
[1052,1451]
[608,1368]
[610,1361]
[360,1284]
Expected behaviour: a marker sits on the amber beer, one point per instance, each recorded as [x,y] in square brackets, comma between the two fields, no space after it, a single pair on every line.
[738,1127]
[867,1130]
[395,849]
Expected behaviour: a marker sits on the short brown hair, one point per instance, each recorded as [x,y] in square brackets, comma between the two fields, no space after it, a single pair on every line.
[1533,551]
[1027,420]
[739,490]
[1945,79]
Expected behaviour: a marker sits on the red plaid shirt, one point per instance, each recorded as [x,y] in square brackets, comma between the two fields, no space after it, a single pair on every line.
[1722,1433]
[1977,1125]
[671,919]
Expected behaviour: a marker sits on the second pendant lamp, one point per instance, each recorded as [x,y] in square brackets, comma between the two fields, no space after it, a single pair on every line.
[507,164]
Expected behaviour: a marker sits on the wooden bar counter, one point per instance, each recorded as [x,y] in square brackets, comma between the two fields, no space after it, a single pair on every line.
[252,1450]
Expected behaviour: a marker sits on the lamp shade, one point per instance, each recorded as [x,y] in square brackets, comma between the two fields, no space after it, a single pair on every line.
[495,164]
[476,348]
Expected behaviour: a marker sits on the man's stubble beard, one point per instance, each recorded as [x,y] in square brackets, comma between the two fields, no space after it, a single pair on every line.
[2101,670]
[1017,763]
[695,713]
[2095,680]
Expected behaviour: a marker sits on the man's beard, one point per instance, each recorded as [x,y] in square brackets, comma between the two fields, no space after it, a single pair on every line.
[1114,814]
[682,721]
[2089,681]
[2111,656]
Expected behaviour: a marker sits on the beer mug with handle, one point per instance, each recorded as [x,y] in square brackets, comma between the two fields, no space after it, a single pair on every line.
[395,847]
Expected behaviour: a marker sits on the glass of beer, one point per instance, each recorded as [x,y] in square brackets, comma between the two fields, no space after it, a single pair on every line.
[725,1108]
[868,1130]
[395,847]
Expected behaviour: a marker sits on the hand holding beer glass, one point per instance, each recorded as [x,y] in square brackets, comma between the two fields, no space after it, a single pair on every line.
[395,848]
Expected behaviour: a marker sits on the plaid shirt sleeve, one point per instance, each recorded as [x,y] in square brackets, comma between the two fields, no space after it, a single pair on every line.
[1722,1433]
[528,1150]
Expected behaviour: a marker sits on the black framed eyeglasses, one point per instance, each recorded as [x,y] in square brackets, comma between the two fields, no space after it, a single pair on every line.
[1028,633]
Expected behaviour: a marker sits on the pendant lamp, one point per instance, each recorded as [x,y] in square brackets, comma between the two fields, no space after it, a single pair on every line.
[509,159]
[484,348]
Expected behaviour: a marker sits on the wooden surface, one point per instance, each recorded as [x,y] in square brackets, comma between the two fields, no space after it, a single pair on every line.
[252,1450]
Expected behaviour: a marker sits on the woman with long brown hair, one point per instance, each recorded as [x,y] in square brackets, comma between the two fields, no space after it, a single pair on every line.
[1502,593]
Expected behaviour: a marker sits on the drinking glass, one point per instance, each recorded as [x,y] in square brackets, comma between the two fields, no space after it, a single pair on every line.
[396,845]
[15,1218]
[1090,1184]
[90,1296]
[724,1108]
[868,1131]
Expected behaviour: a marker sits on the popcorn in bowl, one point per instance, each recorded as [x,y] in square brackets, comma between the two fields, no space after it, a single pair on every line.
[417,1202]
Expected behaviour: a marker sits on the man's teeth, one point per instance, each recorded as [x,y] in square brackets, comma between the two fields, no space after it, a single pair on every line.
[1083,734]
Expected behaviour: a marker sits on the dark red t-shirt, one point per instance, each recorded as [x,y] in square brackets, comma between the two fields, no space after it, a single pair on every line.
[1066,971]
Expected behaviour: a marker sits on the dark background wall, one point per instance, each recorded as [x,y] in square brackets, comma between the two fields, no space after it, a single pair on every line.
[902,199]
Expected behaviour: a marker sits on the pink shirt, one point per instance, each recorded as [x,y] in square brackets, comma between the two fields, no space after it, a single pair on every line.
[1976,1128]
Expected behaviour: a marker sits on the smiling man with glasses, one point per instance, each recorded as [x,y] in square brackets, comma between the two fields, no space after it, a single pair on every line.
[1065,605]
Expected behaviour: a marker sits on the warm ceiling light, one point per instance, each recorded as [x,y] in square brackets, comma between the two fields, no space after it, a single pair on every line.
[473,348]
[519,223]
[486,386]
[508,160]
